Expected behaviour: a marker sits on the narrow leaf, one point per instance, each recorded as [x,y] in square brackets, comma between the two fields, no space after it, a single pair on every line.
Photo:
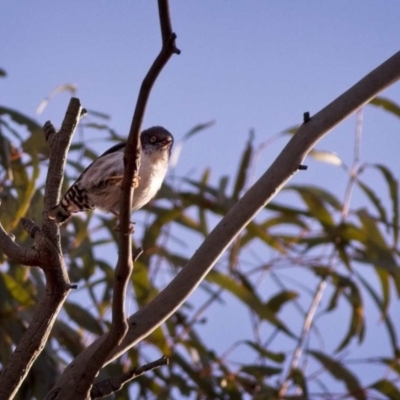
[247,297]
[387,388]
[263,352]
[394,195]
[83,318]
[328,157]
[341,373]
[198,128]
[261,371]
[375,201]
[243,167]
[387,105]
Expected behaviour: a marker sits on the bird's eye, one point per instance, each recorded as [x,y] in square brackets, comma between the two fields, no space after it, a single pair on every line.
[153,139]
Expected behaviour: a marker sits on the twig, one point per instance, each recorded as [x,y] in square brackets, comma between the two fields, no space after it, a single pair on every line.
[111,385]
[46,255]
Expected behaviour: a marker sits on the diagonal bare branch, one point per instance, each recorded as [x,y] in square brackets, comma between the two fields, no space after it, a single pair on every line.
[284,167]
[143,322]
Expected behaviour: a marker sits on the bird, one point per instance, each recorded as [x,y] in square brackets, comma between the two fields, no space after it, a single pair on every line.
[99,185]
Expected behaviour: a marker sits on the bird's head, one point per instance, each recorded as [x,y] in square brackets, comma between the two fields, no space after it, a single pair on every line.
[156,138]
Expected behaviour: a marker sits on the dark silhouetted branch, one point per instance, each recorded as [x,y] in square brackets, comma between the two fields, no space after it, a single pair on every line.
[80,384]
[46,255]
[147,319]
[111,385]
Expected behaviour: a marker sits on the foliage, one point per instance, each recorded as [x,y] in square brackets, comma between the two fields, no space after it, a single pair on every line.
[240,334]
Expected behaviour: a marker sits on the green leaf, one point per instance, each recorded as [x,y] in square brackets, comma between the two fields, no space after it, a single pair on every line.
[394,195]
[341,373]
[241,177]
[387,388]
[36,144]
[221,195]
[376,251]
[198,128]
[98,114]
[260,372]
[20,119]
[357,325]
[276,302]
[26,187]
[144,289]
[387,105]
[386,319]
[316,200]
[263,352]
[5,156]
[68,337]
[201,210]
[392,363]
[10,129]
[17,290]
[285,210]
[345,287]
[254,230]
[375,201]
[299,380]
[83,318]
[193,373]
[247,297]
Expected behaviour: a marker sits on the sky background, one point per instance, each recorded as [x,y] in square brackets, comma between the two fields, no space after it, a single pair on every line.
[247,65]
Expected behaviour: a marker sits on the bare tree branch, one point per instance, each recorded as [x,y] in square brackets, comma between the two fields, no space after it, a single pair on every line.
[143,322]
[111,385]
[59,145]
[47,255]
[261,193]
[124,267]
[15,252]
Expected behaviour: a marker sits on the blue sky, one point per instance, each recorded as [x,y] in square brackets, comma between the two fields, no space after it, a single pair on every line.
[249,64]
[253,64]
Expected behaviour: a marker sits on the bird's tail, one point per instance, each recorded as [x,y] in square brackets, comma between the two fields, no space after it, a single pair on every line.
[59,214]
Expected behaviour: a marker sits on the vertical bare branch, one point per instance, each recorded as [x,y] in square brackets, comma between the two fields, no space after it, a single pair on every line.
[47,255]
[59,146]
[80,386]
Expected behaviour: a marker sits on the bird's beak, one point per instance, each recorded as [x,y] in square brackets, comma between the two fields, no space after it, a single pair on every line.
[167,141]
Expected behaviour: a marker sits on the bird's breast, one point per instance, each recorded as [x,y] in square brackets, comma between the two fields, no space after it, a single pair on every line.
[153,167]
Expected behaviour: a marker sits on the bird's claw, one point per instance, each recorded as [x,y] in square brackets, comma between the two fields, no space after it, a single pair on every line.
[117,180]
[136,180]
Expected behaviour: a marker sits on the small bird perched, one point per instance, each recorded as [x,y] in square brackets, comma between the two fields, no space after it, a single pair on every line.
[99,186]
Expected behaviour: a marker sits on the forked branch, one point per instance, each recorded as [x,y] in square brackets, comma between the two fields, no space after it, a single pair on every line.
[46,255]
[77,386]
[143,322]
